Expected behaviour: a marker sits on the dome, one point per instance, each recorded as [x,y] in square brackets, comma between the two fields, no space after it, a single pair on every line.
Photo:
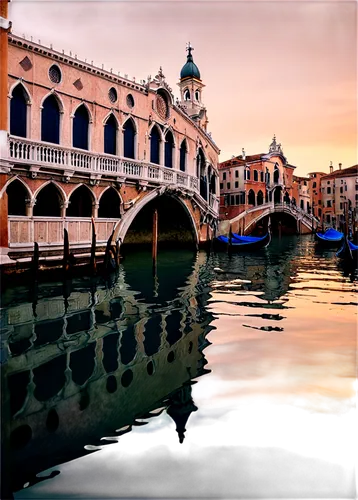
[190,69]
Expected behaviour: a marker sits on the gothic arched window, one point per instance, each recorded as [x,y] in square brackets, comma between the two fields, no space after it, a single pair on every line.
[260,197]
[48,202]
[129,139]
[169,145]
[109,204]
[18,111]
[80,128]
[251,197]
[50,120]
[183,151]
[16,198]
[80,203]
[186,95]
[110,135]
[155,140]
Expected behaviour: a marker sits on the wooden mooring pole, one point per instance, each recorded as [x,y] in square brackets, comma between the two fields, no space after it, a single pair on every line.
[155,241]
[93,265]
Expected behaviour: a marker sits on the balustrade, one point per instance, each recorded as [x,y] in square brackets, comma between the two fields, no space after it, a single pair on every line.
[100,163]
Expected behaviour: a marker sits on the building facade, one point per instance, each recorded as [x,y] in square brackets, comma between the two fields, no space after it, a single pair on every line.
[247,181]
[79,142]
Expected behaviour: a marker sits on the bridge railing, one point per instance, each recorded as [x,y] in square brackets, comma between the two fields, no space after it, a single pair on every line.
[72,159]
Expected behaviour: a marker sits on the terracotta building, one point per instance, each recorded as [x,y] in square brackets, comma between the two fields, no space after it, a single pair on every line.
[339,191]
[79,142]
[251,180]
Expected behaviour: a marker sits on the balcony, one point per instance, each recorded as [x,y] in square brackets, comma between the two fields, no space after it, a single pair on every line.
[70,160]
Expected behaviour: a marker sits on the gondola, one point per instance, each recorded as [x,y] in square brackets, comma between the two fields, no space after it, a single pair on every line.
[330,238]
[243,244]
[348,252]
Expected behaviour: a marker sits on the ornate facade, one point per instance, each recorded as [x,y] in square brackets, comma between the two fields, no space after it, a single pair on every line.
[81,142]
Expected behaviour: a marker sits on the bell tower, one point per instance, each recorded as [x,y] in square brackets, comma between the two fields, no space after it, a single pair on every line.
[191,87]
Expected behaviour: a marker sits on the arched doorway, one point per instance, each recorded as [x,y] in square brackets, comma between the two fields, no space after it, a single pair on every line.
[80,128]
[183,152]
[109,204]
[18,111]
[48,202]
[129,132]
[251,197]
[110,135]
[80,203]
[260,198]
[277,195]
[16,198]
[155,140]
[168,149]
[50,120]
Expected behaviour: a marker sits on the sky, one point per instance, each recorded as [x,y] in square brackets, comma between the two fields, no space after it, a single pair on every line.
[269,67]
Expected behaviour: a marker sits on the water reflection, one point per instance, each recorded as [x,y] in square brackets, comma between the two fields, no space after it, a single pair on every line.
[103,358]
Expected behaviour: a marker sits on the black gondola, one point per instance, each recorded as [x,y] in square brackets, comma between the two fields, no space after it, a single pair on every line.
[348,252]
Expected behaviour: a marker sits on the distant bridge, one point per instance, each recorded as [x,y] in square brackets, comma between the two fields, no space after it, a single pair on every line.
[247,220]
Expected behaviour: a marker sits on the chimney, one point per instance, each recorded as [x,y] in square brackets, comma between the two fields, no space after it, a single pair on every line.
[340,166]
[243,154]
[330,168]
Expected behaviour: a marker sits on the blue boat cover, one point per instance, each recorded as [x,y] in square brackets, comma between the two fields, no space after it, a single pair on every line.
[330,235]
[236,241]
[352,246]
[246,239]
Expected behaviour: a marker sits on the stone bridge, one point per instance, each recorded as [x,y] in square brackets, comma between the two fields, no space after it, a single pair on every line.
[247,220]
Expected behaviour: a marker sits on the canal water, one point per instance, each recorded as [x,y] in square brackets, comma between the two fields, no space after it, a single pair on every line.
[222,377]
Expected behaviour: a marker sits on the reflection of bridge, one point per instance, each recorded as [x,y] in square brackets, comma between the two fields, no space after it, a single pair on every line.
[247,220]
[80,371]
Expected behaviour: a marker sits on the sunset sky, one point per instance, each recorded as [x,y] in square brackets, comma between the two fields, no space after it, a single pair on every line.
[283,67]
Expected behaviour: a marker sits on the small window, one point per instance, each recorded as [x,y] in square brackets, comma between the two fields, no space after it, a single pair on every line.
[54,74]
[328,190]
[319,202]
[232,200]
[262,176]
[221,185]
[224,176]
[356,187]
[341,206]
[228,185]
[112,94]
[345,187]
[130,101]
[329,203]
[319,212]
[236,184]
[328,182]
[237,199]
[328,218]
[186,95]
[341,189]
[236,173]
[197,95]
[356,197]
[314,185]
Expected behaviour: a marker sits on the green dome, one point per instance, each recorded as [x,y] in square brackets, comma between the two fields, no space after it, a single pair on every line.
[190,69]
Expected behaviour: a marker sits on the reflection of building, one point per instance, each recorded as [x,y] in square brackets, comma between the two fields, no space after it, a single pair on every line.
[78,141]
[77,373]
[250,180]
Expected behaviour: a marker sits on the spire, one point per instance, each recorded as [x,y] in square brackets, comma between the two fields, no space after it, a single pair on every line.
[190,69]
[180,409]
[189,48]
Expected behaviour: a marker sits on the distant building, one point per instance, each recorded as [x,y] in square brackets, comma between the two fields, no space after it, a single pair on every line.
[339,189]
[250,180]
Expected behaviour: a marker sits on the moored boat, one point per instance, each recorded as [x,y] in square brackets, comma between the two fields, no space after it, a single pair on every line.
[243,243]
[348,252]
[330,237]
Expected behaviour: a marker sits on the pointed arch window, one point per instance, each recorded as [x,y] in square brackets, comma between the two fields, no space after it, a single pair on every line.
[186,95]
[110,135]
[155,141]
[276,174]
[129,139]
[18,111]
[260,198]
[183,152]
[48,202]
[80,128]
[16,198]
[50,120]
[80,203]
[169,146]
[200,166]
[256,175]
[247,174]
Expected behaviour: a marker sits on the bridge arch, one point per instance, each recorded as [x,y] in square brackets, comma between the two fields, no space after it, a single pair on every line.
[122,226]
